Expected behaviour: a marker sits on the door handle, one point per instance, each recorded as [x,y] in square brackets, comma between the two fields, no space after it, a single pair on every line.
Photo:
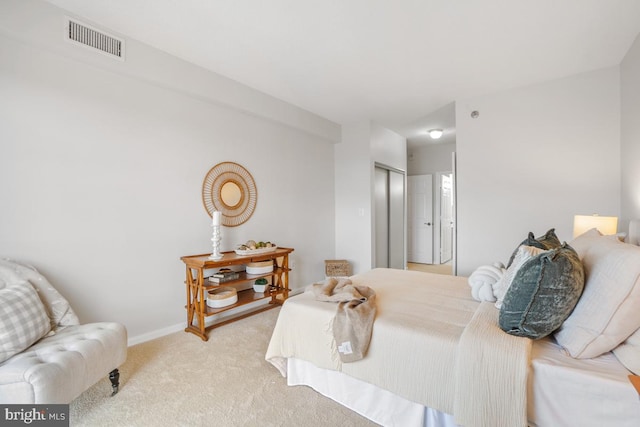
[427,223]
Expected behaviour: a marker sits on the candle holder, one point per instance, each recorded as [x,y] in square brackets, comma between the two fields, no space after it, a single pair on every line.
[215,239]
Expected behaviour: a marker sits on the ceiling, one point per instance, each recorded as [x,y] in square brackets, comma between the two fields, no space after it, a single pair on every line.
[393,62]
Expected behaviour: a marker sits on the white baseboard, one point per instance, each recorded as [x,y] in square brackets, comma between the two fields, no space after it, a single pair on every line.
[139,339]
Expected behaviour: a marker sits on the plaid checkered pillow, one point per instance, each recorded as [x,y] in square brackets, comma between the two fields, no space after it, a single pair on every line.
[23,319]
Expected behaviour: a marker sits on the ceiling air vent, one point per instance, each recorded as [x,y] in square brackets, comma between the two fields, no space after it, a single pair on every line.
[96,39]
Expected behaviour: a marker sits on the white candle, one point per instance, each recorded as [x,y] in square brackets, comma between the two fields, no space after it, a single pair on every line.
[216,217]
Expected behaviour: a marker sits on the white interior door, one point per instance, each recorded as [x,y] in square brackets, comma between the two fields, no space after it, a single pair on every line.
[446,218]
[420,219]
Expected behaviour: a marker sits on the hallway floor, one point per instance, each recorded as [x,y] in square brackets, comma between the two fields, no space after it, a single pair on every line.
[431,268]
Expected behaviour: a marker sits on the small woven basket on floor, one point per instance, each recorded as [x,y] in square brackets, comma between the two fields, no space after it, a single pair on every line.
[337,268]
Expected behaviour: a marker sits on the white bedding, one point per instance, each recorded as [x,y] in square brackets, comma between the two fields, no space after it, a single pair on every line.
[400,325]
[421,348]
[374,403]
[567,392]
[562,391]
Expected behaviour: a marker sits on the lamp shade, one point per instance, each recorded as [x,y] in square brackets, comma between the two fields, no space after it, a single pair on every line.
[605,224]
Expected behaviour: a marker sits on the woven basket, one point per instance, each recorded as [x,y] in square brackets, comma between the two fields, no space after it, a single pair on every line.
[337,267]
[259,267]
[222,297]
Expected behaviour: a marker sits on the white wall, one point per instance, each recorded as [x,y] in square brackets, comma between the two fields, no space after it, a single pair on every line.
[102,171]
[388,148]
[353,201]
[42,24]
[363,144]
[534,158]
[630,136]
[430,159]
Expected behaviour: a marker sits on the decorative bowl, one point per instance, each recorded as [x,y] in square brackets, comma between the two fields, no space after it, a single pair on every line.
[256,251]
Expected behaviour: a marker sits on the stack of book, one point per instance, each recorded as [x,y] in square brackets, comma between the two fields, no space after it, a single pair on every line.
[224,276]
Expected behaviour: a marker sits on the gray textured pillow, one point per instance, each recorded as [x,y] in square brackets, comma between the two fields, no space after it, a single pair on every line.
[546,242]
[543,293]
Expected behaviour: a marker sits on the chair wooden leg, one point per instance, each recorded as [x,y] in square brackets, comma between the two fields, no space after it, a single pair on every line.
[114,376]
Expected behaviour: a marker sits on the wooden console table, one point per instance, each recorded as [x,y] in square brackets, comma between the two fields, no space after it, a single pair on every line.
[197,286]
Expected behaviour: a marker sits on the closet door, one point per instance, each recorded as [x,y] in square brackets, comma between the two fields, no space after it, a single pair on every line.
[396,220]
[382,217]
[389,218]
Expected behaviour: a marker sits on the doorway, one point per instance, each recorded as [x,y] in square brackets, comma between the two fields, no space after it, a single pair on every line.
[389,236]
[446,269]
[446,217]
[431,220]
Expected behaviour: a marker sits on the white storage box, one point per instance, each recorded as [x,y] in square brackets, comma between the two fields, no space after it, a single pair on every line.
[222,297]
[260,267]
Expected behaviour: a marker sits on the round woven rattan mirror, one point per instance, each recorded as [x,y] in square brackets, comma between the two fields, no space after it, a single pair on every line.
[230,189]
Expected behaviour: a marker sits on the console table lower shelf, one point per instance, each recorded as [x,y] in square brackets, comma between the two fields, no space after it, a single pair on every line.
[198,285]
[245,297]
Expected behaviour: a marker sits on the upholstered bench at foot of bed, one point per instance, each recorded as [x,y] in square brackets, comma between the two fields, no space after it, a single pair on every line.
[58,368]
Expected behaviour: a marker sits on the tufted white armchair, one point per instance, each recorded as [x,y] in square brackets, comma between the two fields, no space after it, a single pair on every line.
[46,356]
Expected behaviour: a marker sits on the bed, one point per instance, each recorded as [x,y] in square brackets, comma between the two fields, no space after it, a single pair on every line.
[437,357]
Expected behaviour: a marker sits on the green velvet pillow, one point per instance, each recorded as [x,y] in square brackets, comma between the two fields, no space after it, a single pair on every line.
[543,293]
[546,242]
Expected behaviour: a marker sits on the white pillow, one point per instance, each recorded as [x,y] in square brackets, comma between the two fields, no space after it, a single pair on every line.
[523,254]
[628,353]
[584,241]
[607,312]
[23,319]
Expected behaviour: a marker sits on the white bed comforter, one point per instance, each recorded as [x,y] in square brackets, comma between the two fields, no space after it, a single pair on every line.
[431,344]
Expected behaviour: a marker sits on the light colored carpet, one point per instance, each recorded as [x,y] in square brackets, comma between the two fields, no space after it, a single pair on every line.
[180,380]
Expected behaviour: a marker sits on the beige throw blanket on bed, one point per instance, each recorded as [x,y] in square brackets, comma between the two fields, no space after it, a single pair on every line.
[354,317]
[491,361]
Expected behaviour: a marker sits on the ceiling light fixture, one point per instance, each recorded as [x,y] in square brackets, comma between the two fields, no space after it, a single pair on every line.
[435,133]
